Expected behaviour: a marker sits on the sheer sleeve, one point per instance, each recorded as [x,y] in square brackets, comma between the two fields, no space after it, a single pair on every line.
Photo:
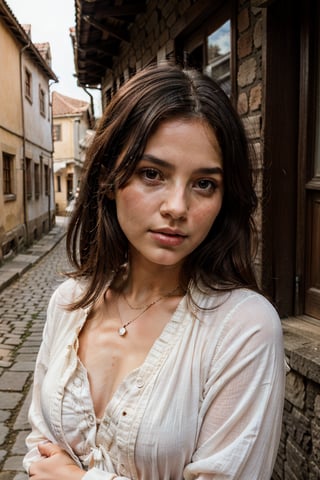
[241,412]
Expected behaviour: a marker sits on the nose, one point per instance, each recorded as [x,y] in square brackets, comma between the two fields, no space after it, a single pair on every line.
[176,203]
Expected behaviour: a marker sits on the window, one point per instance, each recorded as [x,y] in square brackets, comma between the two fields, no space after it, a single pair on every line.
[28,178]
[41,175]
[37,180]
[208,48]
[57,137]
[8,162]
[46,179]
[58,183]
[218,56]
[28,84]
[42,101]
[69,186]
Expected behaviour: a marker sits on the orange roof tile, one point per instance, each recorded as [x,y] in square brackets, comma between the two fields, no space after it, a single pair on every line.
[63,105]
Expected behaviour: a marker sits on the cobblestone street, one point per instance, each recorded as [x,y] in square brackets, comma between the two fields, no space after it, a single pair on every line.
[22,314]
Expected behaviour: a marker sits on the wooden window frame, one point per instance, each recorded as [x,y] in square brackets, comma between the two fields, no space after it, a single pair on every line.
[196,36]
[57,132]
[8,176]
[29,178]
[36,180]
[42,101]
[58,177]
[46,180]
[28,84]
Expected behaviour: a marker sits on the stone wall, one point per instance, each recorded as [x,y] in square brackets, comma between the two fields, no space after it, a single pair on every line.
[249,99]
[153,37]
[299,452]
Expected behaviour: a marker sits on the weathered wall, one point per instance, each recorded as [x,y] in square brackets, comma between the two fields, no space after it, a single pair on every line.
[153,37]
[24,133]
[12,230]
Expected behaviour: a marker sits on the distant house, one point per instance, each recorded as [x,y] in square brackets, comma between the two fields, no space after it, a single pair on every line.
[26,187]
[72,124]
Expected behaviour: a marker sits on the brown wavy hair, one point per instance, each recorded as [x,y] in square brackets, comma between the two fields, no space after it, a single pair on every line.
[96,245]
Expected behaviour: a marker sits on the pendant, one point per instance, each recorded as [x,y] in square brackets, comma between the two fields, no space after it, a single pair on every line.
[122,331]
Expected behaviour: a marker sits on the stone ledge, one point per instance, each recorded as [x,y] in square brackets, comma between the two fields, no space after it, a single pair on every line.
[302,346]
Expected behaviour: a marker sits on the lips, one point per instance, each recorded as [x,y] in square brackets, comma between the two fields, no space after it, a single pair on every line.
[170,231]
[168,237]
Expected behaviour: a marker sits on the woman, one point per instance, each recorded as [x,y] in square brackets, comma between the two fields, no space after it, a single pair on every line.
[160,359]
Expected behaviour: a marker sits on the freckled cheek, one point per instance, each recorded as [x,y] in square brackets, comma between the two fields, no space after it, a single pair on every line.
[207,216]
[130,205]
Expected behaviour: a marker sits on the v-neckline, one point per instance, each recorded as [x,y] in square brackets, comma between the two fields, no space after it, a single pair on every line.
[167,337]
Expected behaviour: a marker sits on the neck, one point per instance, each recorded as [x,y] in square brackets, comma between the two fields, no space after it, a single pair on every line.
[144,284]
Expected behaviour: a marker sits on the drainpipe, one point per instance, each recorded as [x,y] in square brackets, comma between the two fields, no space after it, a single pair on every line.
[24,163]
[91,101]
[51,166]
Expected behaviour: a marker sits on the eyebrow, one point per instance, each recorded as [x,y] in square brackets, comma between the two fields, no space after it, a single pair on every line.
[162,163]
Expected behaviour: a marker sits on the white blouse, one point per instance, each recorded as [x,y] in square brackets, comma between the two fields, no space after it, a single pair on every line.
[205,404]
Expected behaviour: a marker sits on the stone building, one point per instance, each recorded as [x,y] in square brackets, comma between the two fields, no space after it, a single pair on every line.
[26,187]
[72,124]
[271,49]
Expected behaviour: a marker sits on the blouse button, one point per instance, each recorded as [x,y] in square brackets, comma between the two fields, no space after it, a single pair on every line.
[77,382]
[139,382]
[91,419]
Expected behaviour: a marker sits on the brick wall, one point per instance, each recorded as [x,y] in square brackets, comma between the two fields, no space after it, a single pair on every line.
[153,38]
[299,452]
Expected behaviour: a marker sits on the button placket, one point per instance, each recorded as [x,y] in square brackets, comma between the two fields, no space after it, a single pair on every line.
[77,382]
[139,382]
[91,419]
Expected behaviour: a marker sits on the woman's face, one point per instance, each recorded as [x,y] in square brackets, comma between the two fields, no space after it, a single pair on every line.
[172,199]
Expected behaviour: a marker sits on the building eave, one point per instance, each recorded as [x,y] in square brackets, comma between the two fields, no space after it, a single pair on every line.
[101,26]
[7,16]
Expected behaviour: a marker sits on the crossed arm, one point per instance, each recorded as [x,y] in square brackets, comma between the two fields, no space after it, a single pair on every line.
[56,464]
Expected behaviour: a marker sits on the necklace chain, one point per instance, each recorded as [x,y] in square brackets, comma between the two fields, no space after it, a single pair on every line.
[148,305]
[123,329]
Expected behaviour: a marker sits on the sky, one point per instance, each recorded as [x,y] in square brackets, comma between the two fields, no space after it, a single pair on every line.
[50,22]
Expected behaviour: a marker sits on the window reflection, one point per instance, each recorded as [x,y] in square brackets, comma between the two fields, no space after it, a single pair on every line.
[218,56]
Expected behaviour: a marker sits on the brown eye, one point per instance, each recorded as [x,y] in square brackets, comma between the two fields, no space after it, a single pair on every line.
[206,185]
[150,173]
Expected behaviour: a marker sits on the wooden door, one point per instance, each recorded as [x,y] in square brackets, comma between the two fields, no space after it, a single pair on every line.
[312,300]
[309,154]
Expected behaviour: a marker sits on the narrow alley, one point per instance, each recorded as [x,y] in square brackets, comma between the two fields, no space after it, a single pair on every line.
[22,314]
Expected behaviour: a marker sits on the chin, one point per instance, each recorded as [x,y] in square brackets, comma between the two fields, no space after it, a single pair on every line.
[167,262]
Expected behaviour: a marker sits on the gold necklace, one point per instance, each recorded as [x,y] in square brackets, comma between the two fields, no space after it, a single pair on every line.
[149,304]
[123,329]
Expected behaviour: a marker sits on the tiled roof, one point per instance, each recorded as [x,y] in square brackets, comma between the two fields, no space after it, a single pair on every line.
[63,105]
[22,34]
[44,49]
